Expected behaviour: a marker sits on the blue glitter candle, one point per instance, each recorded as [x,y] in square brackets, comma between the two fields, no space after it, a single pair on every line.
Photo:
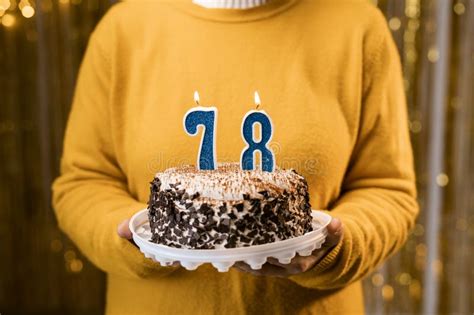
[206,117]
[247,157]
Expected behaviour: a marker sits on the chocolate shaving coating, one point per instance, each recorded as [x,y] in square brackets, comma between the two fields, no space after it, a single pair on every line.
[183,220]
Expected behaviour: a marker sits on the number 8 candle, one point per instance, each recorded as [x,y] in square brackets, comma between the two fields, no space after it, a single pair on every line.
[205,117]
[247,157]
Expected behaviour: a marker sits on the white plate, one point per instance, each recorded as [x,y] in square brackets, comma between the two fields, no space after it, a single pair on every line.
[223,259]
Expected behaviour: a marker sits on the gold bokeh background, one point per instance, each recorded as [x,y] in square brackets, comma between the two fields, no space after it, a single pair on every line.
[41,46]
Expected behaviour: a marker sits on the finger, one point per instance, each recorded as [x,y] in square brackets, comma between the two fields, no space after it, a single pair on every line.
[243,267]
[266,270]
[296,265]
[237,265]
[123,230]
[274,261]
[276,271]
[301,264]
[319,254]
[335,230]
[293,267]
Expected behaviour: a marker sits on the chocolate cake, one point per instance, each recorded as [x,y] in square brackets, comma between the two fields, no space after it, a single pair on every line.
[227,207]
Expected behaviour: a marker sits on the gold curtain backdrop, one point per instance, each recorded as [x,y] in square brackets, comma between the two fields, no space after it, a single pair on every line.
[41,46]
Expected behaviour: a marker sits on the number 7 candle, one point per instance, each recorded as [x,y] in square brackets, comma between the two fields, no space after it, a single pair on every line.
[247,157]
[206,117]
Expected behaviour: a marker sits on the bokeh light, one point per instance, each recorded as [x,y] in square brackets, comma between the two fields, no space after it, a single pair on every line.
[55,45]
[27,11]
[8,20]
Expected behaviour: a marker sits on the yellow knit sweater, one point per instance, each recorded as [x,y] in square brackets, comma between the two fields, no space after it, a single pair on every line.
[329,76]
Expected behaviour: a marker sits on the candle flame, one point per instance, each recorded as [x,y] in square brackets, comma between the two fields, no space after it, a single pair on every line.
[257,99]
[196,97]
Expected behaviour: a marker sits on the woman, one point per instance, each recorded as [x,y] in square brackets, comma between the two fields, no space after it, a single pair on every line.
[329,76]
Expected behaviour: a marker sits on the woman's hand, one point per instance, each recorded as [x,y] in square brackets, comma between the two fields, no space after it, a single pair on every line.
[123,230]
[273,268]
[298,264]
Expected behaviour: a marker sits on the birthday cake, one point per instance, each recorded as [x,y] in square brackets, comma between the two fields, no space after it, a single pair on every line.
[227,207]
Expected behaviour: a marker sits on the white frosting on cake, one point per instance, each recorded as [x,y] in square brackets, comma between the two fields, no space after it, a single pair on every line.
[229,182]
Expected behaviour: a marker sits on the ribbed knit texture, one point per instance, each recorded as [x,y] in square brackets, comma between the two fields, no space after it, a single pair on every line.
[329,75]
[230,4]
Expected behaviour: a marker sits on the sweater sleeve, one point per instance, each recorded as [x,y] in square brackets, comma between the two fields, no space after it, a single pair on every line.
[378,204]
[91,197]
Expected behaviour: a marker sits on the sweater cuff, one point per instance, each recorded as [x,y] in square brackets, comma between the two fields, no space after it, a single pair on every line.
[141,266]
[129,254]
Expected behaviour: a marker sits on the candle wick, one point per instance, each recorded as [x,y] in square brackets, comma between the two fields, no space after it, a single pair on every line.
[258,105]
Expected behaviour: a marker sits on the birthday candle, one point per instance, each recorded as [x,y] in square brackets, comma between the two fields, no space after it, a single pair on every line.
[206,117]
[247,157]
